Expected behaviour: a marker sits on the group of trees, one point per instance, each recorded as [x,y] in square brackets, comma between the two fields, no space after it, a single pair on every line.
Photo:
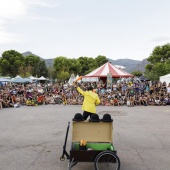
[64,67]
[159,62]
[13,63]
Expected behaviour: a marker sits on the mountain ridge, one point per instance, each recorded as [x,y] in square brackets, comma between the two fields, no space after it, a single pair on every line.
[129,64]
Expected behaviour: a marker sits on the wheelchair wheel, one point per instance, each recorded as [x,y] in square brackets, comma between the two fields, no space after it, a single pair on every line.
[107,160]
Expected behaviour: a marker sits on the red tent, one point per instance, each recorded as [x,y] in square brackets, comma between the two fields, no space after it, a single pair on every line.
[108,68]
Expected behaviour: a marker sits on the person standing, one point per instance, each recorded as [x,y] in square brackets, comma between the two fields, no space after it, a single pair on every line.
[90,101]
[168,88]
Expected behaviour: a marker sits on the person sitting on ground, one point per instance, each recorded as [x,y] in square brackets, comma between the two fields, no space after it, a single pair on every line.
[116,101]
[143,100]
[108,103]
[64,99]
[73,100]
[1,101]
[102,100]
[121,101]
[132,100]
[136,99]
[10,100]
[157,101]
[40,99]
[5,102]
[162,98]
[79,100]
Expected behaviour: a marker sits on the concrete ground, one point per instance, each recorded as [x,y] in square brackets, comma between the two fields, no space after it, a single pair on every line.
[31,138]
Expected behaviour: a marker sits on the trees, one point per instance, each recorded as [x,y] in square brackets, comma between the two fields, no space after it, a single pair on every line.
[38,67]
[13,63]
[100,60]
[88,64]
[64,66]
[80,66]
[159,62]
[51,73]
[10,62]
[137,73]
[61,65]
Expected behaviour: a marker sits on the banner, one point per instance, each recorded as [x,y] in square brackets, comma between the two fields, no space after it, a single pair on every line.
[109,80]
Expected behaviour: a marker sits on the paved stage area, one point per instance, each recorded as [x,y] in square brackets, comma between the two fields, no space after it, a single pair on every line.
[31,138]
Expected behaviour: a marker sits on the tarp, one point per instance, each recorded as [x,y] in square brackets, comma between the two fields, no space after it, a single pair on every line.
[165,78]
[106,68]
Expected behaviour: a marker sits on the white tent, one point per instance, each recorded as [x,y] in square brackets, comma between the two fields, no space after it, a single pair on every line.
[77,78]
[42,78]
[4,80]
[90,79]
[20,80]
[72,79]
[18,76]
[32,78]
[120,67]
[165,78]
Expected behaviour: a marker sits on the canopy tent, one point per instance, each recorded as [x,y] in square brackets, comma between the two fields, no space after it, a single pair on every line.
[4,80]
[17,76]
[71,79]
[142,78]
[120,67]
[78,78]
[32,78]
[20,80]
[41,78]
[165,78]
[106,68]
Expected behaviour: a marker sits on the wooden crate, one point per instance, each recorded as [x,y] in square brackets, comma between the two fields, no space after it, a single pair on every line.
[92,131]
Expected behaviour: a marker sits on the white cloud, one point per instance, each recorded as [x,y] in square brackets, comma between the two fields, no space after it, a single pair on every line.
[41,3]
[10,9]
[160,39]
[16,10]
[37,18]
[9,37]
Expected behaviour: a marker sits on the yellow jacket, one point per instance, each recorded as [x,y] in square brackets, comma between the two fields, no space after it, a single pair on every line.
[91,99]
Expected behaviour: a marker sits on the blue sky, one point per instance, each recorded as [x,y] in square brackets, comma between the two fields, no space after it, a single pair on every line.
[116,29]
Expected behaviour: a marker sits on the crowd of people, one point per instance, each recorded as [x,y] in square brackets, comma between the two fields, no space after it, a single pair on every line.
[133,93]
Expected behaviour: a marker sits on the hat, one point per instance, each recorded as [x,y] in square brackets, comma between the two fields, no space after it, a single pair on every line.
[106,118]
[94,118]
[78,117]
